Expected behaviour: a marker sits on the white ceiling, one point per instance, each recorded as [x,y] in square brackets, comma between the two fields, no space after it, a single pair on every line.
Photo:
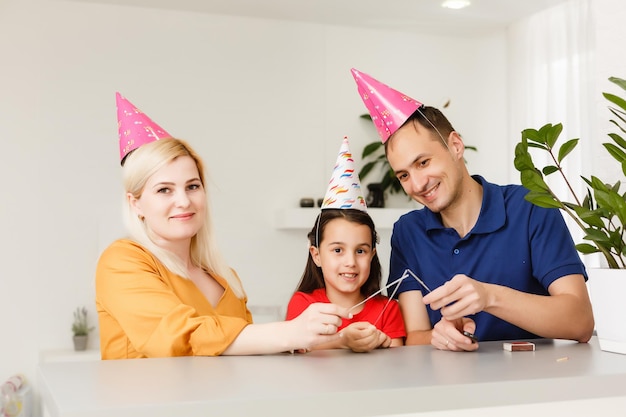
[418,16]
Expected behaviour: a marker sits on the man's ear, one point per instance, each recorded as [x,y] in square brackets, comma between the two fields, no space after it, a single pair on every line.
[315,255]
[456,144]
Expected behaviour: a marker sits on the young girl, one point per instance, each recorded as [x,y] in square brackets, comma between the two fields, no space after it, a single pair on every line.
[344,269]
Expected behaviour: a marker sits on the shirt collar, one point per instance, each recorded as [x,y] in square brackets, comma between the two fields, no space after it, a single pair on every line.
[492,212]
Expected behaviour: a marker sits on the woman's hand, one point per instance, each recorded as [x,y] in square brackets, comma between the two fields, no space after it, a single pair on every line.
[317,324]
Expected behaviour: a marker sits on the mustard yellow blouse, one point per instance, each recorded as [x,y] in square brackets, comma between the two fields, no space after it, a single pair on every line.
[145,310]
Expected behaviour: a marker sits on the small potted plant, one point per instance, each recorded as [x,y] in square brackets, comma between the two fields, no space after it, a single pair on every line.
[600,213]
[80,328]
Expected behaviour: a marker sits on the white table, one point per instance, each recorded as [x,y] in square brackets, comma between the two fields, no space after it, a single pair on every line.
[407,380]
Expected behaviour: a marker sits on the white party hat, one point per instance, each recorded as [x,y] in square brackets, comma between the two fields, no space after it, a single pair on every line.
[344,187]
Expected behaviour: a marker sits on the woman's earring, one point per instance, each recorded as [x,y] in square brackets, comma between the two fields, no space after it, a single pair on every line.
[140,217]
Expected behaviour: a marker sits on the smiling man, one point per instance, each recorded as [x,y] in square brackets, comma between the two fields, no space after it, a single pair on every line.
[498,266]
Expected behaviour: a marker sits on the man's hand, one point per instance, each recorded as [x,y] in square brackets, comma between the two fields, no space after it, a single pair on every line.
[448,335]
[459,297]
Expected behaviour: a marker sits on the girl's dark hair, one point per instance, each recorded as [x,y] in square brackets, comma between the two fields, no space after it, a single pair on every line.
[312,278]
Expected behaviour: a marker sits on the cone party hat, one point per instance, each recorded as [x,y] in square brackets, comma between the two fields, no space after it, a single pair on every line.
[134,127]
[344,187]
[389,108]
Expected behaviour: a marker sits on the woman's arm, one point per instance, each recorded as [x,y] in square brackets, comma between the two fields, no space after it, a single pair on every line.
[317,325]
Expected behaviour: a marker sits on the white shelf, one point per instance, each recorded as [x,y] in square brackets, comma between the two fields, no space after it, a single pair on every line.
[68,355]
[304,218]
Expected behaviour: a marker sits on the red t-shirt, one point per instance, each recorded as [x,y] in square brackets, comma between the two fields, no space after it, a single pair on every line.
[390,323]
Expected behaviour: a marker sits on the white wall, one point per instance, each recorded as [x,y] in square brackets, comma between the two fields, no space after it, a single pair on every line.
[266,103]
[610,42]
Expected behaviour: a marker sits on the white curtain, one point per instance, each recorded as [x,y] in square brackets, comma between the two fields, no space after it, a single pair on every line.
[551,80]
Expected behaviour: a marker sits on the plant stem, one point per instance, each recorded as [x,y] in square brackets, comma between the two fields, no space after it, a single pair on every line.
[560,168]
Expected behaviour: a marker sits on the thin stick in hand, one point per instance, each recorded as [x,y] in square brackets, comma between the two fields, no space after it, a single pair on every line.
[417,279]
[379,291]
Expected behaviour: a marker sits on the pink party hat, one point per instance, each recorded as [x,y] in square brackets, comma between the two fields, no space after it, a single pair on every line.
[134,127]
[389,108]
[344,187]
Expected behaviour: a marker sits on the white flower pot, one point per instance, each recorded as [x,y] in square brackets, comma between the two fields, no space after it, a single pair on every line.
[606,289]
[80,342]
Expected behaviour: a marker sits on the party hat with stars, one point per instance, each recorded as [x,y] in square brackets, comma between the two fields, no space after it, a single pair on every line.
[389,108]
[135,128]
[344,187]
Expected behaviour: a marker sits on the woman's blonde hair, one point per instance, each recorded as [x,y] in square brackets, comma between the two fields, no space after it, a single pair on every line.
[139,166]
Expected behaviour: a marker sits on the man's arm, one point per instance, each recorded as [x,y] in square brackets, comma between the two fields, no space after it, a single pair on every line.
[565,314]
[416,320]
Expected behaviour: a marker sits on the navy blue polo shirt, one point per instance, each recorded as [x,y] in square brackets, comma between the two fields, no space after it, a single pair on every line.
[514,243]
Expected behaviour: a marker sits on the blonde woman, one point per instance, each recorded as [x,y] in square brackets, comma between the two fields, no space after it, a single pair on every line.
[166,291]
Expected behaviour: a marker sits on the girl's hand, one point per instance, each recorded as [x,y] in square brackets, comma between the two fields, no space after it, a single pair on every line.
[385,341]
[362,337]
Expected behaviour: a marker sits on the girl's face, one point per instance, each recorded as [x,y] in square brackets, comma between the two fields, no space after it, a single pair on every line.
[173,202]
[345,255]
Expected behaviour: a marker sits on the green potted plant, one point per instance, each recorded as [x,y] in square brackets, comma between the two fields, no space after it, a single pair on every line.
[600,213]
[80,328]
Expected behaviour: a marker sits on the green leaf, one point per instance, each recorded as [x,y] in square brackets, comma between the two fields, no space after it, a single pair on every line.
[552,133]
[532,135]
[371,148]
[550,169]
[618,139]
[523,161]
[618,205]
[586,248]
[390,182]
[616,240]
[619,82]
[533,180]
[591,217]
[598,185]
[588,181]
[589,201]
[596,235]
[366,169]
[542,200]
[615,152]
[620,116]
[602,198]
[616,187]
[618,101]
[566,148]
